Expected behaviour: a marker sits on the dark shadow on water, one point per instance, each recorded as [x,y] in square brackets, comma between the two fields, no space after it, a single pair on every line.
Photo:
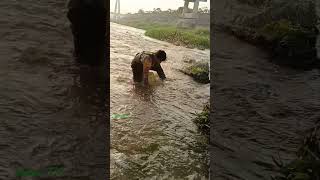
[91,84]
[89,124]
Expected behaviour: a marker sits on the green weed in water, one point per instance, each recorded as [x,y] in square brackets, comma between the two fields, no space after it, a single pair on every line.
[119,116]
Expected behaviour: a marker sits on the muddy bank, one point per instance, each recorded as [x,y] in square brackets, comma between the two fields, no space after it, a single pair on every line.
[260,110]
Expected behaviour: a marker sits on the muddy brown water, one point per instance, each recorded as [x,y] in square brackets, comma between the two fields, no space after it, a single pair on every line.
[261,110]
[159,139]
[51,110]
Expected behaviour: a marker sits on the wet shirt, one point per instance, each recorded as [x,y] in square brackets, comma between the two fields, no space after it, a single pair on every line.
[149,62]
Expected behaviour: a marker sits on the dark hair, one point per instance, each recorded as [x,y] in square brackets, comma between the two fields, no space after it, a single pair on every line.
[161,55]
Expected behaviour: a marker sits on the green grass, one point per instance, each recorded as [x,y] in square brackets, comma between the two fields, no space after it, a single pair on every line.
[199,72]
[192,38]
[279,29]
[291,43]
[202,120]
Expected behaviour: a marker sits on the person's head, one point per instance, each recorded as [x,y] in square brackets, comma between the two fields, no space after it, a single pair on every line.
[161,55]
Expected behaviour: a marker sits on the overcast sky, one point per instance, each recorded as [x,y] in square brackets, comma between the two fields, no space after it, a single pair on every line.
[133,6]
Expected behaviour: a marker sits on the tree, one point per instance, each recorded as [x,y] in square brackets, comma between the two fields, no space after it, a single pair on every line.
[206,10]
[141,11]
[157,10]
[180,10]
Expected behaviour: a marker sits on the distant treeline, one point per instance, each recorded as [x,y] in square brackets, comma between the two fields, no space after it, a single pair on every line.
[177,11]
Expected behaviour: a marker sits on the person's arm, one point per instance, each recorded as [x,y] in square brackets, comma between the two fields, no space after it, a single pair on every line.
[160,72]
[147,63]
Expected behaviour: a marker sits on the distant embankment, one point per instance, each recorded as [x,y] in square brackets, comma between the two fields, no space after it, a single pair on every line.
[163,26]
[164,18]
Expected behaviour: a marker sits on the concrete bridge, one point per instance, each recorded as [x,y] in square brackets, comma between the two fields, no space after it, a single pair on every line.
[190,19]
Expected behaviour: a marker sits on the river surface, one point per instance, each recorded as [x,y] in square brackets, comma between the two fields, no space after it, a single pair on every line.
[52,111]
[159,139]
[261,110]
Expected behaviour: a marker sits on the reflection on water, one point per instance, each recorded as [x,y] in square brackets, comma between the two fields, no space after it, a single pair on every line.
[159,139]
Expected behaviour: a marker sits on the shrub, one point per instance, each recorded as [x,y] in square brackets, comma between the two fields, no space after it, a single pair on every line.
[202,120]
[199,72]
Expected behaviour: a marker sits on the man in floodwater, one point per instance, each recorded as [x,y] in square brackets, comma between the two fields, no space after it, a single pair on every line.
[88,23]
[144,62]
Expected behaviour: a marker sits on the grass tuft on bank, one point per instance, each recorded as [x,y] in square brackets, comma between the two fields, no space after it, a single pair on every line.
[191,38]
[198,71]
[202,120]
[289,43]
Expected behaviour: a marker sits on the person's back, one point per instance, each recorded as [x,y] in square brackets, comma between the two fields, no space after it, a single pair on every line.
[145,61]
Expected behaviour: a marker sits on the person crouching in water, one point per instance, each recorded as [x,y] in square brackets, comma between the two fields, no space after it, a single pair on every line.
[144,62]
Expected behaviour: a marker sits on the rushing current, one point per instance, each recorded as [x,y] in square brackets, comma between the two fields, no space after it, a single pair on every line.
[261,110]
[158,140]
[51,109]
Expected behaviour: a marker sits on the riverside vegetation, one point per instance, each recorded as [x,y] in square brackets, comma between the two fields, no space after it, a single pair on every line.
[191,38]
[287,29]
[202,120]
[199,71]
[162,25]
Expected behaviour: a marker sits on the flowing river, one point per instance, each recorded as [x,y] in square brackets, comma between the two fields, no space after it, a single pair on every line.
[262,110]
[52,111]
[158,140]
